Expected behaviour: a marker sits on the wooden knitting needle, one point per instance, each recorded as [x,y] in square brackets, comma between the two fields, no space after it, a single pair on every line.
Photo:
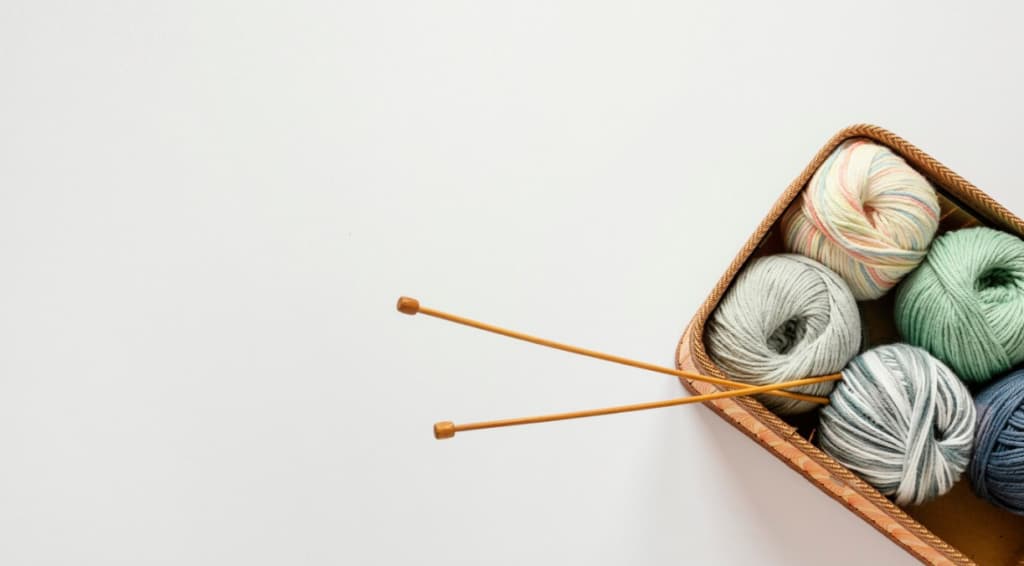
[447,429]
[411,306]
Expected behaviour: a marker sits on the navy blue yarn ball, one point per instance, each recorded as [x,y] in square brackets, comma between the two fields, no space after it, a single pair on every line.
[997,467]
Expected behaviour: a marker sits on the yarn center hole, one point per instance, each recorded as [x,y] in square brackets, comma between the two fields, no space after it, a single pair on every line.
[787,335]
[871,214]
[996,277]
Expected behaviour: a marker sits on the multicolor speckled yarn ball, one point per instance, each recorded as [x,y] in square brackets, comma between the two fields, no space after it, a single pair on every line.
[865,214]
[902,421]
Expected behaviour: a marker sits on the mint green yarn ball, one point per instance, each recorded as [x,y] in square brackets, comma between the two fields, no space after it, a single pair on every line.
[965,302]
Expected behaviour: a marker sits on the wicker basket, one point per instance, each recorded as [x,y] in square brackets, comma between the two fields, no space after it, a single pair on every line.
[957,528]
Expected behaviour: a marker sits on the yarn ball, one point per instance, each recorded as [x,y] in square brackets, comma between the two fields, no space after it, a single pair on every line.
[997,468]
[902,421]
[965,304]
[865,214]
[785,317]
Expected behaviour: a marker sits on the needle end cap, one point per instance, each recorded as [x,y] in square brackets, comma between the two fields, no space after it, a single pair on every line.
[408,305]
[444,429]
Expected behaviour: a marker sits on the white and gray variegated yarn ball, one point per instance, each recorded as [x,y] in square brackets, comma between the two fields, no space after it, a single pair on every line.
[901,420]
[785,317]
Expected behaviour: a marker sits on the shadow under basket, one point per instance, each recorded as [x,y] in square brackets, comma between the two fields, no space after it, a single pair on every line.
[957,528]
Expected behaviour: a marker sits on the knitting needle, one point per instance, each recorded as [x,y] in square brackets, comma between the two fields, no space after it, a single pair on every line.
[447,429]
[410,306]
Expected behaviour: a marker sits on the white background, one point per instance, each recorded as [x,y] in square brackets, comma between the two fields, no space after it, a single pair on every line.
[207,211]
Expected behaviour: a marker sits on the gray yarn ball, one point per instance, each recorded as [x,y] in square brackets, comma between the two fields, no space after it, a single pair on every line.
[785,317]
[902,421]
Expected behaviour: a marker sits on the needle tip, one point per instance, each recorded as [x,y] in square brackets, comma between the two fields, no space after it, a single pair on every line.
[408,305]
[444,429]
